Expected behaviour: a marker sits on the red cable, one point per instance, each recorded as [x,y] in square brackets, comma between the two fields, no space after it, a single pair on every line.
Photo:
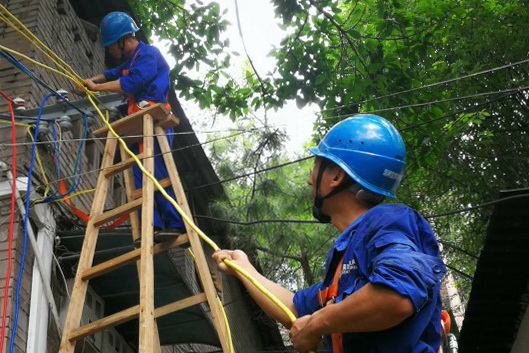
[11,219]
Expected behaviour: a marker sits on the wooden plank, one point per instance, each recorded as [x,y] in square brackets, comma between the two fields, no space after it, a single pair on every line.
[132,124]
[75,308]
[130,257]
[129,188]
[196,244]
[132,313]
[121,166]
[180,305]
[146,274]
[164,183]
[135,226]
[104,323]
[117,212]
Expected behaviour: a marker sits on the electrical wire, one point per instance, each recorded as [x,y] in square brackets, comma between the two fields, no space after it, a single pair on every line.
[240,132]
[95,170]
[26,225]
[507,90]
[11,221]
[506,66]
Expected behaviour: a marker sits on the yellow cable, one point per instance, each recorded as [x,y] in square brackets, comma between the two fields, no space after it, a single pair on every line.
[44,66]
[202,235]
[36,39]
[223,312]
[10,24]
[7,122]
[39,163]
[190,222]
[75,194]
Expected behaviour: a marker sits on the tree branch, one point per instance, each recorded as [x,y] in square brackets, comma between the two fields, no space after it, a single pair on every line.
[342,31]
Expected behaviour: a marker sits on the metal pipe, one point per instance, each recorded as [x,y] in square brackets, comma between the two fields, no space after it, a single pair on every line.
[33,242]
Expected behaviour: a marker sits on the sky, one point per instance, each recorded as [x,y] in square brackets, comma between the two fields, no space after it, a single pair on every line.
[261,32]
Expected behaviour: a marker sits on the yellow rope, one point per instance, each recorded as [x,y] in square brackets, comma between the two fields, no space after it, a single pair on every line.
[159,187]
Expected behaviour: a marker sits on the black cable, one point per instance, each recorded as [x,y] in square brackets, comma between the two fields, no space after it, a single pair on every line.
[463,110]
[430,85]
[250,223]
[251,173]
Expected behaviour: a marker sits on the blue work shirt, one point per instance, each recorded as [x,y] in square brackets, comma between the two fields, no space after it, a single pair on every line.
[148,77]
[391,245]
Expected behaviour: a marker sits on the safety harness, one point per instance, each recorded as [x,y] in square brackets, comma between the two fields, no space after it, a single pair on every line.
[327,297]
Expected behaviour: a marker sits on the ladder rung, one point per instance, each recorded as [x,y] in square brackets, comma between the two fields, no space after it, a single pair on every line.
[121,166]
[136,194]
[131,313]
[106,322]
[179,305]
[129,257]
[117,212]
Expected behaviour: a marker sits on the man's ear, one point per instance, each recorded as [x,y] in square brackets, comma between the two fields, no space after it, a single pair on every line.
[338,177]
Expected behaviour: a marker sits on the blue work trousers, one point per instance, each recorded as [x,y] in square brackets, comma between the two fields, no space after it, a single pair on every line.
[165,215]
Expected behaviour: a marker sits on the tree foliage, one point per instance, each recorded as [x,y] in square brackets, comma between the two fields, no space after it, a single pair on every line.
[343,56]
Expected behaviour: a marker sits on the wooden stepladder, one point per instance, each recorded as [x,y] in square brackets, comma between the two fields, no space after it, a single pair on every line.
[142,126]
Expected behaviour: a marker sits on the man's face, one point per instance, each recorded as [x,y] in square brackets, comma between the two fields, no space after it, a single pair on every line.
[115,51]
[311,180]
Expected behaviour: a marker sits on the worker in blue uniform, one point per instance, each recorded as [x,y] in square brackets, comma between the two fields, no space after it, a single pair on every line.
[381,290]
[144,78]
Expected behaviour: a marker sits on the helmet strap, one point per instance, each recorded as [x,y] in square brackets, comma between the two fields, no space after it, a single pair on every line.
[318,199]
[121,46]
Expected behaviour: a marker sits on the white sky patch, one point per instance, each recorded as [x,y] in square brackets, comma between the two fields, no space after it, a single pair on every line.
[261,33]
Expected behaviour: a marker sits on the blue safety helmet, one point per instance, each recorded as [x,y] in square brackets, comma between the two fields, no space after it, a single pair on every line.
[115,26]
[369,149]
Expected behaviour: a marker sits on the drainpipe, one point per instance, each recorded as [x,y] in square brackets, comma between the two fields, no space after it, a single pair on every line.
[41,293]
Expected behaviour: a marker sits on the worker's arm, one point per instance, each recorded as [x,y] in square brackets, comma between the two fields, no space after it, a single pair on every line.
[284,295]
[98,79]
[372,308]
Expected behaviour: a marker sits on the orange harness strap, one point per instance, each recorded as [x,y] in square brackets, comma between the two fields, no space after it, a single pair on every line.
[326,297]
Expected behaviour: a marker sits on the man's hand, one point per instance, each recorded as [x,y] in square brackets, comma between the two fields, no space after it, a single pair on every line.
[91,85]
[301,336]
[237,256]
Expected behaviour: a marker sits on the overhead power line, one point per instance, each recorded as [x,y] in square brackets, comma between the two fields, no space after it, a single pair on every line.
[241,131]
[461,210]
[430,85]
[427,104]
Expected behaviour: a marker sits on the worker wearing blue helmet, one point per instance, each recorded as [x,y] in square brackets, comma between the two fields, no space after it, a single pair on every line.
[144,77]
[381,290]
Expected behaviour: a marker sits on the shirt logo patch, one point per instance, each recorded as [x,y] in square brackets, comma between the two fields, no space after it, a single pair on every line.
[348,267]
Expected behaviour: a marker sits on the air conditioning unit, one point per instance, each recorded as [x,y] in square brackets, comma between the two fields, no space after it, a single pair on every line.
[94,309]
[113,342]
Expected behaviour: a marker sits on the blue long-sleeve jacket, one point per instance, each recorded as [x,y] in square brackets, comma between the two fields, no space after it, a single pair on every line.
[148,77]
[391,245]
